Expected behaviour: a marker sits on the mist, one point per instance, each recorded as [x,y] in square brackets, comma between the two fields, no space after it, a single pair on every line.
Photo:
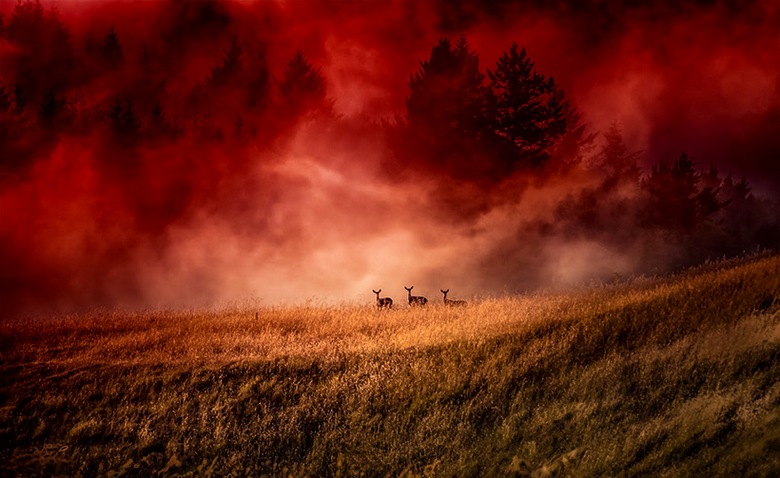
[271,153]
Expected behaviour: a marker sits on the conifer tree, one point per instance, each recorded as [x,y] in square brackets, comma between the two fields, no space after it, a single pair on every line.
[111,52]
[617,163]
[531,111]
[229,67]
[50,108]
[302,88]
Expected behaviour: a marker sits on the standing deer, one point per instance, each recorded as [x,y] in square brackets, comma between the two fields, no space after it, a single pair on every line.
[452,302]
[415,299]
[382,302]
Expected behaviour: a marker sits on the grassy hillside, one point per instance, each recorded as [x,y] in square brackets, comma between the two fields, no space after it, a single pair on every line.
[674,376]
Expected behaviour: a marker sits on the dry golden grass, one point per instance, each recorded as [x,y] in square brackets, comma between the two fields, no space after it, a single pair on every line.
[673,376]
[238,334]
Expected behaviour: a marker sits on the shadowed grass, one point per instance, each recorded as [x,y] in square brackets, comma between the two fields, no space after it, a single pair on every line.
[674,376]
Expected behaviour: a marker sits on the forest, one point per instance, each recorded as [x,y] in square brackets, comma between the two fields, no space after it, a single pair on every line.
[113,140]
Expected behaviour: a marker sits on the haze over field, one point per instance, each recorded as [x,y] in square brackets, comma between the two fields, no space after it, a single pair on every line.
[670,376]
[182,154]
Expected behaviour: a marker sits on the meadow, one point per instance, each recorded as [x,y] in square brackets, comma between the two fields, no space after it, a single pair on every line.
[657,376]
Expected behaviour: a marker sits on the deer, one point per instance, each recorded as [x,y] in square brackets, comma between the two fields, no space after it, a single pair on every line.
[452,302]
[382,302]
[415,300]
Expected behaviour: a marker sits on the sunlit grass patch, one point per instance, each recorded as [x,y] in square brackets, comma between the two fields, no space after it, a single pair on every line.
[676,375]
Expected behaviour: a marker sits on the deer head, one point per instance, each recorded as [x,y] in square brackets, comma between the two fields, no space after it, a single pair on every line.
[382,302]
[415,300]
[451,301]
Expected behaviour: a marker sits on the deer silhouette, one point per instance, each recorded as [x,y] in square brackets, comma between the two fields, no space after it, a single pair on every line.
[382,302]
[452,302]
[415,300]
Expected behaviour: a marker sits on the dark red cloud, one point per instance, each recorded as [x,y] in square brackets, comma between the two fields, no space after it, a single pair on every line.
[178,169]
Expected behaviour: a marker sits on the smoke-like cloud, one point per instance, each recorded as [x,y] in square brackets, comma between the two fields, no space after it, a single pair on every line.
[237,194]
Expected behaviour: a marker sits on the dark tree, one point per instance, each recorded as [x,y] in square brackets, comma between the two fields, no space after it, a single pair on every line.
[531,111]
[115,113]
[145,58]
[708,198]
[28,21]
[303,88]
[5,99]
[618,165]
[259,90]
[157,117]
[50,108]
[447,94]
[20,97]
[130,122]
[229,68]
[123,119]
[672,195]
[111,52]
[447,125]
[45,56]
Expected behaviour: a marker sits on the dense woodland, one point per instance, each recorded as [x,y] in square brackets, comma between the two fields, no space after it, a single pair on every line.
[151,127]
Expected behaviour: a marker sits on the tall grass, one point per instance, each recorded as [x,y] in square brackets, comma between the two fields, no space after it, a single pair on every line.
[675,376]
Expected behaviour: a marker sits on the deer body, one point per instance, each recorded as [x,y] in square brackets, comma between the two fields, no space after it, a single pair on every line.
[452,302]
[382,302]
[415,300]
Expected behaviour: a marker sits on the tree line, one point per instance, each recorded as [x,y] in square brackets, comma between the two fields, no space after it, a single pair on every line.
[460,122]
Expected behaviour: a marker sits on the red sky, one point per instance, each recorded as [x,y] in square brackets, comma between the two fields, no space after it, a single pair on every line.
[309,209]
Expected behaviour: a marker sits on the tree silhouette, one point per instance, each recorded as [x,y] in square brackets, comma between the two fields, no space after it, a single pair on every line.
[707,199]
[158,118]
[110,49]
[145,58]
[229,68]
[672,195]
[447,125]
[44,56]
[447,94]
[614,160]
[123,119]
[259,89]
[20,97]
[5,99]
[50,108]
[28,21]
[302,88]
[531,111]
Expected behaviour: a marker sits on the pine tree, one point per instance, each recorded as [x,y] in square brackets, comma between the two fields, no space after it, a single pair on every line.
[614,159]
[158,116]
[115,113]
[229,68]
[447,124]
[707,198]
[111,52]
[672,195]
[26,24]
[145,58]
[447,96]
[130,122]
[531,111]
[5,99]
[302,87]
[20,97]
[50,108]
[123,119]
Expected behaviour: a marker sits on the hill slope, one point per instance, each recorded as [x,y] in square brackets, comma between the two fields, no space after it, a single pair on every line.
[672,376]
